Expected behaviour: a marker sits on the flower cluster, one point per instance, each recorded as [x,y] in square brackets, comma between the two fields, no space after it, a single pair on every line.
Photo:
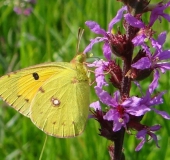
[24,7]
[123,110]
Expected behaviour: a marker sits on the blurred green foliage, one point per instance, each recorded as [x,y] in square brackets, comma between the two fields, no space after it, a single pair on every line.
[49,33]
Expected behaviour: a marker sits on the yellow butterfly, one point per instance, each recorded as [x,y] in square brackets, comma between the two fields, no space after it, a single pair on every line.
[55,96]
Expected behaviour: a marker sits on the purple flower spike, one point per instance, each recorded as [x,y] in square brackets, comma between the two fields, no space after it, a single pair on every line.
[124,111]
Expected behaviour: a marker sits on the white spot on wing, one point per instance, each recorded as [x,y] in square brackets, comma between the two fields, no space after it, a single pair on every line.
[55,101]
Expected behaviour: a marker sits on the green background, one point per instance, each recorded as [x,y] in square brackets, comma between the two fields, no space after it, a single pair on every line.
[50,34]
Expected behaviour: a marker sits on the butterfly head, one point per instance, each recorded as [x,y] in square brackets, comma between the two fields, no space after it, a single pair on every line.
[79,58]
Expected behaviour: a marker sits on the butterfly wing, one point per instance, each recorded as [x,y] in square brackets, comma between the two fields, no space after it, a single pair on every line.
[18,88]
[60,107]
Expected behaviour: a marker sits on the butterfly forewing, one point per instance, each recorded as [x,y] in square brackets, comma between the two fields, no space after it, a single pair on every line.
[60,107]
[18,88]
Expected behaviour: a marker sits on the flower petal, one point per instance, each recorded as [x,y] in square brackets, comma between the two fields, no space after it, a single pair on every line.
[138,111]
[155,127]
[109,115]
[162,113]
[156,100]
[154,83]
[143,63]
[155,139]
[163,66]
[96,106]
[133,21]
[95,27]
[164,55]
[117,125]
[107,51]
[117,18]
[133,102]
[140,145]
[162,38]
[141,133]
[139,40]
[92,42]
[105,97]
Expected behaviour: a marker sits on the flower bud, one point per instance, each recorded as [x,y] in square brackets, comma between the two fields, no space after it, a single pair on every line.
[115,73]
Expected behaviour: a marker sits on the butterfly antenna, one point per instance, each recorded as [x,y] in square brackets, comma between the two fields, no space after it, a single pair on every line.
[80,33]
[42,151]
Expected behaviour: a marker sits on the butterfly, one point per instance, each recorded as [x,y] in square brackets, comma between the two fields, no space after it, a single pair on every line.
[55,96]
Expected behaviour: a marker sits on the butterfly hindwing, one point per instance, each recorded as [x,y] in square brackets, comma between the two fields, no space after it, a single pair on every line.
[60,107]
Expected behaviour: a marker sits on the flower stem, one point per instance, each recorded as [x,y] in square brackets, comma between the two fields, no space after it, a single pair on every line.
[124,92]
[118,145]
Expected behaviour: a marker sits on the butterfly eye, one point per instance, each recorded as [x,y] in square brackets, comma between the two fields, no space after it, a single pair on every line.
[36,76]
